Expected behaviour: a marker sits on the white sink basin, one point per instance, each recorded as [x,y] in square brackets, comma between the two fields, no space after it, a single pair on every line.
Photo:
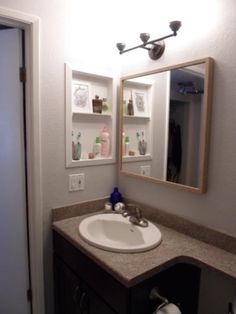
[113,232]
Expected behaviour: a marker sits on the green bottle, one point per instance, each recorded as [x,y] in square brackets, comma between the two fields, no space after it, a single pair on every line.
[97,148]
[126,145]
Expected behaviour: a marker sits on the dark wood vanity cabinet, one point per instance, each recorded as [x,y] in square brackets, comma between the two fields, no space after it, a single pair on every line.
[83,287]
[73,296]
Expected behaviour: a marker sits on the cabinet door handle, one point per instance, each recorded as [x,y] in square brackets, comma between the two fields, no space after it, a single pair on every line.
[84,301]
[76,295]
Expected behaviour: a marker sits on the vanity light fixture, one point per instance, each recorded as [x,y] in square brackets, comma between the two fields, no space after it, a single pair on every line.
[157,46]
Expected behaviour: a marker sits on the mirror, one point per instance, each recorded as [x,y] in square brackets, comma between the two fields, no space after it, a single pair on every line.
[164,124]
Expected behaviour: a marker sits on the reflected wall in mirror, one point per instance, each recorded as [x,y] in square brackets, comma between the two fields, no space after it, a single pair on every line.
[164,124]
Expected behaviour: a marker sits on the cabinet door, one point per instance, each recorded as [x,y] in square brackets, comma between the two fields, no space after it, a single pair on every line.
[98,306]
[70,297]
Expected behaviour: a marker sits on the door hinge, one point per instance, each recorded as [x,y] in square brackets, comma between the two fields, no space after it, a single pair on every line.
[23,75]
[29,295]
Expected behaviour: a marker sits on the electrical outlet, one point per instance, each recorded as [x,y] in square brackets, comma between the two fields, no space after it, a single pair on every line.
[76,182]
[145,170]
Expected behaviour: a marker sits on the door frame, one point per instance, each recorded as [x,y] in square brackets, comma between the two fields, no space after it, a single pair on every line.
[31,25]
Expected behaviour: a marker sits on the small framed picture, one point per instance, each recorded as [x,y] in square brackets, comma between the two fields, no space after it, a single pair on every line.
[81,97]
[140,103]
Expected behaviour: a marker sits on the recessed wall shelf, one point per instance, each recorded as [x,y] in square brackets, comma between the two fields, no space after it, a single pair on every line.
[93,114]
[137,158]
[136,117]
[84,122]
[92,162]
[137,126]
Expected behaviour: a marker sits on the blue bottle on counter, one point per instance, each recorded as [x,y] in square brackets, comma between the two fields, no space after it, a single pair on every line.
[115,197]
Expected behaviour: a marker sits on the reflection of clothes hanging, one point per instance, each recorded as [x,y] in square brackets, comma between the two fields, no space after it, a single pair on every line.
[174,152]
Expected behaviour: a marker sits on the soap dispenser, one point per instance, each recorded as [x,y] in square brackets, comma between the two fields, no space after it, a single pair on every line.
[115,197]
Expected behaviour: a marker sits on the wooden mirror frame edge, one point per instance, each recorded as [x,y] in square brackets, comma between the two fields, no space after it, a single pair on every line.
[208,87]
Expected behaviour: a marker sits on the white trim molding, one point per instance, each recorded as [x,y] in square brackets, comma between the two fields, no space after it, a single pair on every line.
[31,25]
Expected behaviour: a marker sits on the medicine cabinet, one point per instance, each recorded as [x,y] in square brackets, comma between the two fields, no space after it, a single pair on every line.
[90,100]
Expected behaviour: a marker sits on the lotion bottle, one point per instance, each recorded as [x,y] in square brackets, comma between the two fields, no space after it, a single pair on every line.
[105,142]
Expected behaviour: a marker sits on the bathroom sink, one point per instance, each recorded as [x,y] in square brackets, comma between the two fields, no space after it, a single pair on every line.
[113,232]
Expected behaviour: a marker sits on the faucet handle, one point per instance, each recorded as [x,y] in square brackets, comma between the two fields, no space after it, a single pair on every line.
[135,210]
[138,213]
[130,208]
[135,214]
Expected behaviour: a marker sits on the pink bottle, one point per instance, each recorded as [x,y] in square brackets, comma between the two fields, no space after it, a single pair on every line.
[105,141]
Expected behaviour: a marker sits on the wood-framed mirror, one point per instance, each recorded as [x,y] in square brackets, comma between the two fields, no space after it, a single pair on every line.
[165,123]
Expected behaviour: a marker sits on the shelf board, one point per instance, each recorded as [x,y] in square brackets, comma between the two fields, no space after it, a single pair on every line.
[92,162]
[136,117]
[93,114]
[136,158]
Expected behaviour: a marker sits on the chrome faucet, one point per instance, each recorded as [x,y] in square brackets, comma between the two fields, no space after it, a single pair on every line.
[135,215]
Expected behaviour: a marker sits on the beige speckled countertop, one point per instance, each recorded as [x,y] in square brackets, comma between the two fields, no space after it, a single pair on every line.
[130,269]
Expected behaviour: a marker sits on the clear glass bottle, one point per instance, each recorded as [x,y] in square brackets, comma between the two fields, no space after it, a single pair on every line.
[130,106]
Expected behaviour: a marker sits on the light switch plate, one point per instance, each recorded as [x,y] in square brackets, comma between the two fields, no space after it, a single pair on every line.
[145,170]
[76,182]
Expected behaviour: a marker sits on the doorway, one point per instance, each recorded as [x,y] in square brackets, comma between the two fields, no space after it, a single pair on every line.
[31,26]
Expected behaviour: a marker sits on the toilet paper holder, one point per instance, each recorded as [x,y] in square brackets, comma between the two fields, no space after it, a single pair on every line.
[154,295]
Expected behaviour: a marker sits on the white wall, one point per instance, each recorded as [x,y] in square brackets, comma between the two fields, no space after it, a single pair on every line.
[85,32]
[209,29]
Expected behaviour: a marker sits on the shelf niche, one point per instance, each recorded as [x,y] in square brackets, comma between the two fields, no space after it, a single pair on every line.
[80,89]
[140,92]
